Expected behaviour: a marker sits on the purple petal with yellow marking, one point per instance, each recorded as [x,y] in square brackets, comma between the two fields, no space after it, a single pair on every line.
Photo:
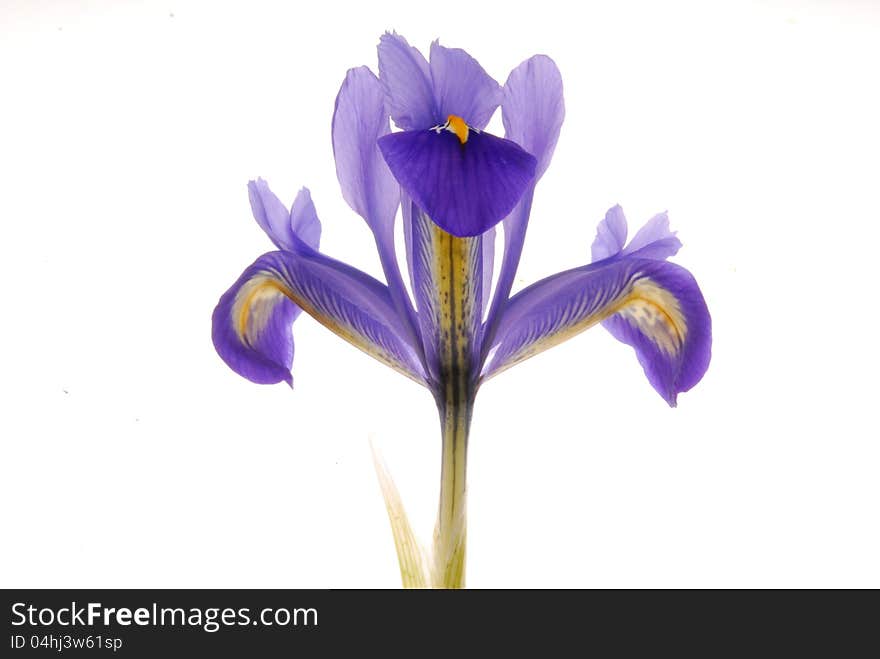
[262,348]
[252,329]
[447,286]
[654,306]
[406,80]
[466,188]
[282,226]
[251,323]
[461,87]
[488,248]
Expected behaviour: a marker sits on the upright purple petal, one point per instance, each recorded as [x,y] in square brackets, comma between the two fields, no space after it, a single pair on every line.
[465,188]
[359,119]
[462,87]
[367,185]
[406,80]
[610,235]
[280,224]
[251,323]
[654,306]
[304,219]
[654,240]
[533,108]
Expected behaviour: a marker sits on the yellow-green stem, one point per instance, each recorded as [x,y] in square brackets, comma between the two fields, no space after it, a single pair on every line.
[450,534]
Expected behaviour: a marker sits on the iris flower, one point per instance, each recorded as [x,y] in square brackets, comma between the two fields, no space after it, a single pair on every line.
[453,184]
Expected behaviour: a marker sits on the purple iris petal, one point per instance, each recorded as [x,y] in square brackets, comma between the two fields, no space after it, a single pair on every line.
[447,285]
[654,306]
[533,109]
[610,235]
[421,95]
[652,241]
[465,188]
[488,268]
[359,119]
[423,260]
[406,215]
[264,357]
[462,87]
[488,255]
[406,79]
[281,225]
[670,374]
[251,327]
[304,219]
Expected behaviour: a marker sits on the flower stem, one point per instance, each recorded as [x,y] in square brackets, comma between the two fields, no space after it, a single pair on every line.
[450,534]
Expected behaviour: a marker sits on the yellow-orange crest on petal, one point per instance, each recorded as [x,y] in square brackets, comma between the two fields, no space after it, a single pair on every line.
[457,125]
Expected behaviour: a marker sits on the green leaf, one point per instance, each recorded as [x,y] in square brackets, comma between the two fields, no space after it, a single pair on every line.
[414,570]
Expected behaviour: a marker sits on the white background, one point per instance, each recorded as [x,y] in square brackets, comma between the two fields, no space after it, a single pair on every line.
[132,456]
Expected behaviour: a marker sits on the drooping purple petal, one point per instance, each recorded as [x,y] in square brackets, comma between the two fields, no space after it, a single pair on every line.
[251,323]
[263,353]
[465,188]
[533,110]
[263,349]
[252,329]
[406,79]
[654,306]
[280,224]
[462,87]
